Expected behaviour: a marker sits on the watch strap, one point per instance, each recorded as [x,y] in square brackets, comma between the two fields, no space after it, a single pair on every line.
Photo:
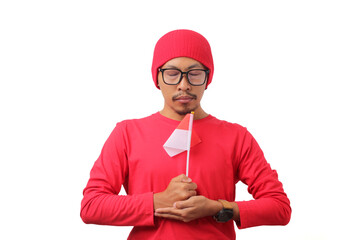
[225,204]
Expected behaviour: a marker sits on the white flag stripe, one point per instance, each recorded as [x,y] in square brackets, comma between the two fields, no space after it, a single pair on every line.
[177,142]
[173,151]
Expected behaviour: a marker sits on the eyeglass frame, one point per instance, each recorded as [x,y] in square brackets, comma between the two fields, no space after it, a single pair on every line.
[182,75]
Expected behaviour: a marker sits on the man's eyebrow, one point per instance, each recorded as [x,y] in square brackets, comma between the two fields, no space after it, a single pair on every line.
[171,66]
[196,65]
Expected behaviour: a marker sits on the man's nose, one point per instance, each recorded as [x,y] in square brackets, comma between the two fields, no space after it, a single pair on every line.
[184,83]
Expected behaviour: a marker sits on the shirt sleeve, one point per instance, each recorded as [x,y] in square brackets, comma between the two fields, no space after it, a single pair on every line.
[271,205]
[101,203]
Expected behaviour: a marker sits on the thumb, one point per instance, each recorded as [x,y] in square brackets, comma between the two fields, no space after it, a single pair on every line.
[186,179]
[182,178]
[182,204]
[177,205]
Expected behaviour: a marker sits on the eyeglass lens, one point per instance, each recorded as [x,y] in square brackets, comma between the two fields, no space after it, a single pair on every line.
[195,77]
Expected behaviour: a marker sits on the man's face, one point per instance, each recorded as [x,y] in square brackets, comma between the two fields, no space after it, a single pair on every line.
[182,98]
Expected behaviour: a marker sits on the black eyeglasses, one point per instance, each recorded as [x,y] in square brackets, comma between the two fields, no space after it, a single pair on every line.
[195,77]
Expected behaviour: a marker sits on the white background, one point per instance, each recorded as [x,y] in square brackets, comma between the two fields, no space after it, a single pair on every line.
[69,70]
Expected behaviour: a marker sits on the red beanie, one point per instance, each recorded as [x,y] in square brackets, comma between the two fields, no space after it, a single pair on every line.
[182,43]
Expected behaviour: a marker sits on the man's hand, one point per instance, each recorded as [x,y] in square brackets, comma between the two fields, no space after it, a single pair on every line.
[180,188]
[190,209]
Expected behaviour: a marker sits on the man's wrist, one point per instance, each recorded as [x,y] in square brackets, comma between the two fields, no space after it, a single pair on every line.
[216,207]
[159,202]
[236,216]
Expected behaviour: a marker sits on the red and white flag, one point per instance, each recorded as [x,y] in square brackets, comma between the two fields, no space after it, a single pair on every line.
[182,138]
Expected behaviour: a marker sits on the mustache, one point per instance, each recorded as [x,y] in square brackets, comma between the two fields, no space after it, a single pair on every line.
[184,95]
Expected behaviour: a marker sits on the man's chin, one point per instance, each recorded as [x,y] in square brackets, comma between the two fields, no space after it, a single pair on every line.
[184,111]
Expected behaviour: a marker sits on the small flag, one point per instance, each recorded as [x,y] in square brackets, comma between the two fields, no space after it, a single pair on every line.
[182,138]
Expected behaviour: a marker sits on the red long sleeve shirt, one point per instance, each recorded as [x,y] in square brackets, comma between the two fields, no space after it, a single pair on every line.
[133,157]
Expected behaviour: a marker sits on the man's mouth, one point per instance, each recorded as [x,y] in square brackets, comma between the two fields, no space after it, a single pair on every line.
[184,98]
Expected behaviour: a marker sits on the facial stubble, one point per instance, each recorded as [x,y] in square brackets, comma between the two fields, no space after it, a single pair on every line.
[185,106]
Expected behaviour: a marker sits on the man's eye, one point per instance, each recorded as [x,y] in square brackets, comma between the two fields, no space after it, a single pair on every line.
[172,73]
[195,73]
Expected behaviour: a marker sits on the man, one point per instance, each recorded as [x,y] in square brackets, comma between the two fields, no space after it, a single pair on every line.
[161,202]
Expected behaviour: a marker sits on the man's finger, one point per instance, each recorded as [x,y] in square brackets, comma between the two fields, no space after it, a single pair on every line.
[192,193]
[183,204]
[192,186]
[181,178]
[185,179]
[169,212]
[173,213]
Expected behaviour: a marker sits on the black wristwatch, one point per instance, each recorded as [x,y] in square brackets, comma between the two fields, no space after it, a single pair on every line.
[224,214]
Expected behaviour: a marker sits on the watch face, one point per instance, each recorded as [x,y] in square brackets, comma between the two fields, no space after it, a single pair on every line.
[224,215]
